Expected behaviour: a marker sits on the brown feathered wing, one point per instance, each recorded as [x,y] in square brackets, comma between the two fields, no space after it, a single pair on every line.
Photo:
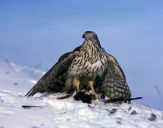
[114,84]
[54,79]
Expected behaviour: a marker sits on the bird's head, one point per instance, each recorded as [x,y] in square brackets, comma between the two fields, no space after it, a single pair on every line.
[91,36]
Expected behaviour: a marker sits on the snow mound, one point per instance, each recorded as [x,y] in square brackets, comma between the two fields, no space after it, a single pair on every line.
[48,112]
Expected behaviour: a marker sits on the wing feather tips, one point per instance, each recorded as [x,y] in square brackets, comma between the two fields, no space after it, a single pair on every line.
[52,80]
[29,93]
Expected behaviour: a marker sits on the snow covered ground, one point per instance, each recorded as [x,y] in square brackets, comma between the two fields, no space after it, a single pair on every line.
[49,112]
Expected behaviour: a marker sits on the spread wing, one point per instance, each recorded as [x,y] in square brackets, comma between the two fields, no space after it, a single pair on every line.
[54,79]
[114,83]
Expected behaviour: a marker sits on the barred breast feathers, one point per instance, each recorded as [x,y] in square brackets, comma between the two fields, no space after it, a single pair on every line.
[91,61]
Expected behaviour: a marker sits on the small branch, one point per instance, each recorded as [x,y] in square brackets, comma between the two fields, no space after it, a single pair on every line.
[31,106]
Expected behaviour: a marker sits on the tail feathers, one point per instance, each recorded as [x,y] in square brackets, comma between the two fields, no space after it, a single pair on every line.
[122,100]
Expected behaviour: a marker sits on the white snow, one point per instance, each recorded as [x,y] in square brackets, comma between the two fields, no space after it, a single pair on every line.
[15,81]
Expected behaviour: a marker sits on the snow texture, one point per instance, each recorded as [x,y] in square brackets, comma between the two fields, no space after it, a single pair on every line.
[49,112]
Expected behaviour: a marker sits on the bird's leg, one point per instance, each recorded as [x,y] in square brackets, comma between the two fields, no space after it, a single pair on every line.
[76,84]
[68,84]
[92,88]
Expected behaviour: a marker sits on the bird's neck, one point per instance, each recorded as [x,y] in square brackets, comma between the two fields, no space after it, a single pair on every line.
[90,47]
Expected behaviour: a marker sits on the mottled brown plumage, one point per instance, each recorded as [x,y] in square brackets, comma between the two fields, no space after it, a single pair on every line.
[114,84]
[86,67]
[88,64]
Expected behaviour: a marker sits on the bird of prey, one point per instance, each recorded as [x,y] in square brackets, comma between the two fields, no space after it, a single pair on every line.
[88,66]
